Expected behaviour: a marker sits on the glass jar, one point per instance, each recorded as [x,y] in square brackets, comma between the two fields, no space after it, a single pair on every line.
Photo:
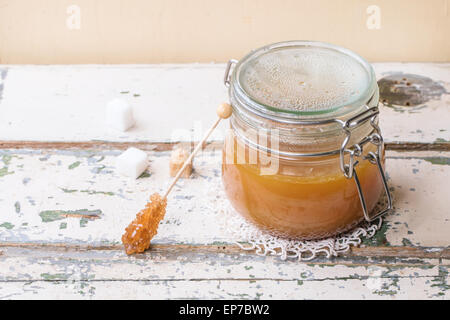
[304,156]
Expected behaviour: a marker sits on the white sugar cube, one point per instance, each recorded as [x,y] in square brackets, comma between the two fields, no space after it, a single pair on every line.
[132,163]
[119,115]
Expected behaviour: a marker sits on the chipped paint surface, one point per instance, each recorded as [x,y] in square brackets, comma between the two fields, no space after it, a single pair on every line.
[216,289]
[213,275]
[422,215]
[165,90]
[54,215]
[156,93]
[96,205]
[62,212]
[425,122]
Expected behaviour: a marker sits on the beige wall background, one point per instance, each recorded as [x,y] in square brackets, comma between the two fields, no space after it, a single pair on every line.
[165,31]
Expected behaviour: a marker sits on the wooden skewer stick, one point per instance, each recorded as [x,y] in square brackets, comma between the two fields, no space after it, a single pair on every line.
[144,227]
[224,111]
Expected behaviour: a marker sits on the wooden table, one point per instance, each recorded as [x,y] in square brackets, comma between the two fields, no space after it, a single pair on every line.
[63,208]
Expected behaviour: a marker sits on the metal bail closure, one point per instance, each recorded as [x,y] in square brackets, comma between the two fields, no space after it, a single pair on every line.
[226,78]
[374,158]
[388,209]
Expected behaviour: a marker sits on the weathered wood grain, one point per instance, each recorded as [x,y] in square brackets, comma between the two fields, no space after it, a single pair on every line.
[171,103]
[75,197]
[363,255]
[403,288]
[355,256]
[427,122]
[67,103]
[63,208]
[61,272]
[166,146]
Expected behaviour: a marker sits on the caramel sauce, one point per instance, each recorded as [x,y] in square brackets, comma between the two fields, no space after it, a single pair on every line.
[304,199]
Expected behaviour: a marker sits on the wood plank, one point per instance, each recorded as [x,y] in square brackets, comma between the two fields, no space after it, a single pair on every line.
[165,146]
[421,215]
[428,122]
[75,197]
[404,288]
[63,208]
[171,102]
[50,273]
[356,255]
[67,103]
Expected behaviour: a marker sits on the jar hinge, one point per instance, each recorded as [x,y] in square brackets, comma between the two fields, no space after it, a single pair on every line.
[227,76]
[357,150]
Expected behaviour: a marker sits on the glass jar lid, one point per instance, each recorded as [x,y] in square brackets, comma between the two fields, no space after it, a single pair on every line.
[302,80]
[307,91]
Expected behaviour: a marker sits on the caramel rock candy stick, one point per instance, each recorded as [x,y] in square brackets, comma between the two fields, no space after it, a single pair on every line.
[144,227]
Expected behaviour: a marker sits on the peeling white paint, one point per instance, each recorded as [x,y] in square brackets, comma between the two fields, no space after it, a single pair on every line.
[193,215]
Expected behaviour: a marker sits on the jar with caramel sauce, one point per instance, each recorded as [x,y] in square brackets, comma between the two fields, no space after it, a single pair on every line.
[304,156]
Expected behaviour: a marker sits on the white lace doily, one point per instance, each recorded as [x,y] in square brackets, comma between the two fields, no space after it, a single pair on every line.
[253,239]
[250,238]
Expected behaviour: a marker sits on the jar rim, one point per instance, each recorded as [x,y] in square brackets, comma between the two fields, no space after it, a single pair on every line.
[246,101]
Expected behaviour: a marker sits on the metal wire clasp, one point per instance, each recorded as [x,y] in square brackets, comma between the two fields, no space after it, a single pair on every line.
[348,169]
[226,78]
